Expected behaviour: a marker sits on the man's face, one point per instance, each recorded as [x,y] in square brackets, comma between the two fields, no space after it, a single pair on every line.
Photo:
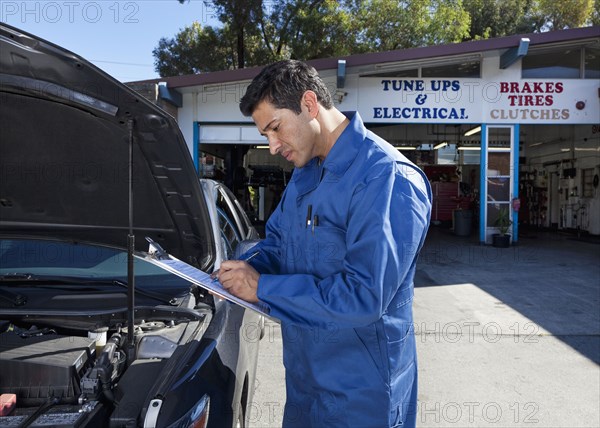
[291,135]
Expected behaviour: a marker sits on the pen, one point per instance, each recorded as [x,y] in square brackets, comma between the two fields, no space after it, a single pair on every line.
[308,215]
[315,223]
[245,259]
[251,256]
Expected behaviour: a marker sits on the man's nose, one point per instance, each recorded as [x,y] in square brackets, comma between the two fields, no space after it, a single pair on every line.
[274,145]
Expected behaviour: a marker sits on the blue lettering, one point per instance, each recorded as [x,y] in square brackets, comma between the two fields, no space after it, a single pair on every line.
[403,85]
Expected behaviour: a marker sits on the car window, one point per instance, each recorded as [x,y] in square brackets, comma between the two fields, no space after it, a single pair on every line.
[229,232]
[237,207]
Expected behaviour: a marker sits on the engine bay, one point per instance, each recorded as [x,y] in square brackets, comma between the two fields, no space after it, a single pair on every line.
[51,375]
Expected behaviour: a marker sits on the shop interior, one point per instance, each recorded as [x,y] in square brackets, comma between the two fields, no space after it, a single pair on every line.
[558,173]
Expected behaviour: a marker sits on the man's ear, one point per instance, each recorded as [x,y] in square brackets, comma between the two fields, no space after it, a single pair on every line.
[310,102]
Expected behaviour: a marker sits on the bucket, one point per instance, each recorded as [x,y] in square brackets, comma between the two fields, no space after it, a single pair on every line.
[462,222]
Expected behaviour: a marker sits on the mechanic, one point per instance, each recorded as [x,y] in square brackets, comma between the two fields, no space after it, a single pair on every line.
[338,261]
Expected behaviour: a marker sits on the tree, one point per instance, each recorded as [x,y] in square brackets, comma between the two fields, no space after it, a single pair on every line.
[497,18]
[559,15]
[193,50]
[595,15]
[389,24]
[256,32]
[308,29]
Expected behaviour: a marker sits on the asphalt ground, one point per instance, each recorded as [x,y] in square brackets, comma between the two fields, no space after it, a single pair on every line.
[506,337]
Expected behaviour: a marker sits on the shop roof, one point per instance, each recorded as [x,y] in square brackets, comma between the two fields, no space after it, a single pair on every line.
[412,54]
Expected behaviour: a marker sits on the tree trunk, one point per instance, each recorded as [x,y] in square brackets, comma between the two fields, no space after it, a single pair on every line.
[240,49]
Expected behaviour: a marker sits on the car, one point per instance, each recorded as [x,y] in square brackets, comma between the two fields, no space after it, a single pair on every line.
[229,219]
[92,177]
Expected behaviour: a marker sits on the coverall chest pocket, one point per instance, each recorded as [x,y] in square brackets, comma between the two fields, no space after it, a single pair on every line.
[324,250]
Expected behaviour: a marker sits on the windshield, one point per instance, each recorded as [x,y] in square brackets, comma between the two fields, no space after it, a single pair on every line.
[65,259]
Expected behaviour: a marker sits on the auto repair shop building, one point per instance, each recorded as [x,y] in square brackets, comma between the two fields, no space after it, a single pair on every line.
[511,123]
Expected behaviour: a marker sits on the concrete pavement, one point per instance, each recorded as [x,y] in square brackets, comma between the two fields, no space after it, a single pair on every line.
[506,337]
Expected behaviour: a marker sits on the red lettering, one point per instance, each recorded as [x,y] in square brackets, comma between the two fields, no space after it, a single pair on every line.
[514,87]
[513,99]
[549,100]
[503,87]
[559,89]
[537,87]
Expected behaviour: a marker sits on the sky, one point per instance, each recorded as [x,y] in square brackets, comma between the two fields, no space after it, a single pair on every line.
[116,36]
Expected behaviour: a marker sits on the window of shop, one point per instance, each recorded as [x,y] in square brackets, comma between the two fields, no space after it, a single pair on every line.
[414,72]
[560,63]
[463,69]
[563,63]
[466,68]
[587,182]
[592,63]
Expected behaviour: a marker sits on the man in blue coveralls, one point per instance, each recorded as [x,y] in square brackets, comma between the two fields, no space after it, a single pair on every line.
[338,261]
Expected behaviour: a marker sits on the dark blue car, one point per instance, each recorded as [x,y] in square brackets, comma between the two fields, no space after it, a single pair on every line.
[92,334]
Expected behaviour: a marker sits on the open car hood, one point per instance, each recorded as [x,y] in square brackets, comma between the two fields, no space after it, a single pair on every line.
[65,134]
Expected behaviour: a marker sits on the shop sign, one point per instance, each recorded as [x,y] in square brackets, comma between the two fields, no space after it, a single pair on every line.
[478,101]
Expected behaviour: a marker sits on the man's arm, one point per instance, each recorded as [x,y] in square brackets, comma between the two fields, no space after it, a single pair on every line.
[387,223]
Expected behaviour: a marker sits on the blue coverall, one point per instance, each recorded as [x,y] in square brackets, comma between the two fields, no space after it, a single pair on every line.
[339,276]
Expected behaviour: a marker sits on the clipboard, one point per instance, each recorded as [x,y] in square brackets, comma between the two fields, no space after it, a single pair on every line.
[159,257]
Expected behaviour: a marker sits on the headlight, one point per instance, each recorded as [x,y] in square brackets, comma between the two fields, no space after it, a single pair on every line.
[196,417]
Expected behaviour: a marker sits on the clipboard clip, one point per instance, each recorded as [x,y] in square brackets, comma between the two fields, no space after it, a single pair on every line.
[155,250]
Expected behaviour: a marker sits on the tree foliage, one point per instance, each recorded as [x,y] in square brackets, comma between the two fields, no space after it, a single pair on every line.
[256,32]
[595,16]
[193,50]
[497,18]
[559,15]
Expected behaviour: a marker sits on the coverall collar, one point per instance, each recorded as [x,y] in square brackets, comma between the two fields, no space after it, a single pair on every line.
[339,158]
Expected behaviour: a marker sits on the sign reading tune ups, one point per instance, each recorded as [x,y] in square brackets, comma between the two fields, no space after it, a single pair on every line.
[412,100]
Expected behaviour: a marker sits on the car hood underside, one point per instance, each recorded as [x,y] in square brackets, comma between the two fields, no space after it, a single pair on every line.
[67,129]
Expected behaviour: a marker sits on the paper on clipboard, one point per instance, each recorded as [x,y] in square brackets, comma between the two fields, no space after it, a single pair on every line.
[201,279]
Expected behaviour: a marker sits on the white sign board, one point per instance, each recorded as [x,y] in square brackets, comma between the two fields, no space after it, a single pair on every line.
[414,100]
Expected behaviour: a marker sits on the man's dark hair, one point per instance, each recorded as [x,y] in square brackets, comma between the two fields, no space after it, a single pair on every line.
[283,84]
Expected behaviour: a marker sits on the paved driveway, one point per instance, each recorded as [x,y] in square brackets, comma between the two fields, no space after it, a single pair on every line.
[506,337]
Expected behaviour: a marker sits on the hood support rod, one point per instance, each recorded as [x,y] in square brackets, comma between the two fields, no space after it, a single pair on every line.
[130,249]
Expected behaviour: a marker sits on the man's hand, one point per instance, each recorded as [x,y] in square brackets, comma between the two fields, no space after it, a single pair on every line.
[240,279]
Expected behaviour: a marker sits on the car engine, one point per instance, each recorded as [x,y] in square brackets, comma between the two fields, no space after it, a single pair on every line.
[69,378]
